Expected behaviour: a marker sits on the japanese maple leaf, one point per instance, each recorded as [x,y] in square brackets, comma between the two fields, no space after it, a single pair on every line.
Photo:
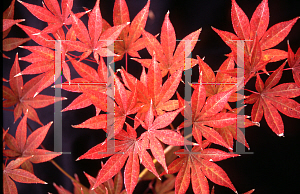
[8,21]
[129,41]
[42,58]
[93,39]
[233,131]
[220,82]
[151,91]
[204,115]
[169,58]
[92,85]
[152,135]
[269,100]
[24,96]
[126,105]
[294,63]
[55,16]
[23,146]
[127,146]
[11,172]
[259,40]
[197,165]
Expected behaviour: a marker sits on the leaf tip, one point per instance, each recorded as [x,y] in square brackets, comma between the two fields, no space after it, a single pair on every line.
[18,74]
[127,23]
[281,135]
[35,94]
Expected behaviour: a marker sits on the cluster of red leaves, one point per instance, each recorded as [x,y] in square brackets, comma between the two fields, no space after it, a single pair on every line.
[149,99]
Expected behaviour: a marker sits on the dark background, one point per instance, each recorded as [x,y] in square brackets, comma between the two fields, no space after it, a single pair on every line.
[274,166]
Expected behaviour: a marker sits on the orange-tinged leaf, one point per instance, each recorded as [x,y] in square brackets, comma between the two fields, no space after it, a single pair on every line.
[216,174]
[273,118]
[110,168]
[23,176]
[183,178]
[199,181]
[215,103]
[42,39]
[276,34]
[240,22]
[131,173]
[168,38]
[40,12]
[260,20]
[138,23]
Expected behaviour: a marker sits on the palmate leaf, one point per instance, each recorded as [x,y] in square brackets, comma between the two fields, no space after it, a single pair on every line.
[25,96]
[202,113]
[8,21]
[11,172]
[126,104]
[272,99]
[169,58]
[196,165]
[23,146]
[129,41]
[93,39]
[258,51]
[151,91]
[127,146]
[51,13]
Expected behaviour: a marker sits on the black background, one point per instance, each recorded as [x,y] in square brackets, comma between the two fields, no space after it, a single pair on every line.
[274,166]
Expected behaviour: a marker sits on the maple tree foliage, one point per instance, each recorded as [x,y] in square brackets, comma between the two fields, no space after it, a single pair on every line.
[138,111]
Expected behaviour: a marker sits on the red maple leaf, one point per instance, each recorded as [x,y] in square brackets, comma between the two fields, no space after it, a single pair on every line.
[220,82]
[151,91]
[23,146]
[259,40]
[129,41]
[126,104]
[25,96]
[204,115]
[55,16]
[197,165]
[294,63]
[92,85]
[126,146]
[93,39]
[11,171]
[233,131]
[8,21]
[169,58]
[270,99]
